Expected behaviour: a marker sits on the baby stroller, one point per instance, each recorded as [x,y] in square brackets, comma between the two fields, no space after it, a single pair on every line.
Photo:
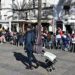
[50,60]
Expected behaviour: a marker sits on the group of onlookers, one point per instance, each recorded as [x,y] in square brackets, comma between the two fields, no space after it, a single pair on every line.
[15,38]
[58,40]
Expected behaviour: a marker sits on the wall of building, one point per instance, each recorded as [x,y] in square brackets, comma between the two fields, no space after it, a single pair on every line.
[6,11]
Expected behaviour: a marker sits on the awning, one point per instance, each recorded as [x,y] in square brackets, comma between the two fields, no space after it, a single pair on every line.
[71,21]
[27,21]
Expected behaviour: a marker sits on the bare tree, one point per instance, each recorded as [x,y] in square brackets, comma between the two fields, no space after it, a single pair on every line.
[22,9]
[20,6]
[0,8]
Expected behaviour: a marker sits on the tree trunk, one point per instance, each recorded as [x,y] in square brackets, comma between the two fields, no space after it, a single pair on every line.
[39,39]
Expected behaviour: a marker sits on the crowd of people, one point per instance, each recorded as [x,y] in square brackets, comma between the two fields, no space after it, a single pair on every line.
[58,40]
[14,38]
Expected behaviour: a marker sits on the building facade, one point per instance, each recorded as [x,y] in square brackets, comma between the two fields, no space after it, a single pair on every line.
[52,12]
[31,12]
[69,16]
[5,13]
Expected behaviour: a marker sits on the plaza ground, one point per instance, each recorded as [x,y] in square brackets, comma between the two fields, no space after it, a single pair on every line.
[13,62]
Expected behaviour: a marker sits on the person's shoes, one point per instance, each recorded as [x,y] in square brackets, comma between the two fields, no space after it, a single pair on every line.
[29,67]
[37,65]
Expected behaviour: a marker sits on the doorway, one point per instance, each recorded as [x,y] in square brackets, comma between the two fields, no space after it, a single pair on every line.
[68,29]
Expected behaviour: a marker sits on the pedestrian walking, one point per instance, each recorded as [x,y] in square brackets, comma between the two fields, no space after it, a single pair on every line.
[29,42]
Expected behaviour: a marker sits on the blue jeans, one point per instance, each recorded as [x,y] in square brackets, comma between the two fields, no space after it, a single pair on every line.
[30,55]
[59,42]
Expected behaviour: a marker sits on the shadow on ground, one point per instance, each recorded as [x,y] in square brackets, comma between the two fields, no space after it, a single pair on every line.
[24,59]
[21,57]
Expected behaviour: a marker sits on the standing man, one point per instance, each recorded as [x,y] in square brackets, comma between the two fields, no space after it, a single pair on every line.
[29,42]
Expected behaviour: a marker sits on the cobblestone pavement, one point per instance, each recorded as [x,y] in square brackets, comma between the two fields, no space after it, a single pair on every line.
[13,61]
